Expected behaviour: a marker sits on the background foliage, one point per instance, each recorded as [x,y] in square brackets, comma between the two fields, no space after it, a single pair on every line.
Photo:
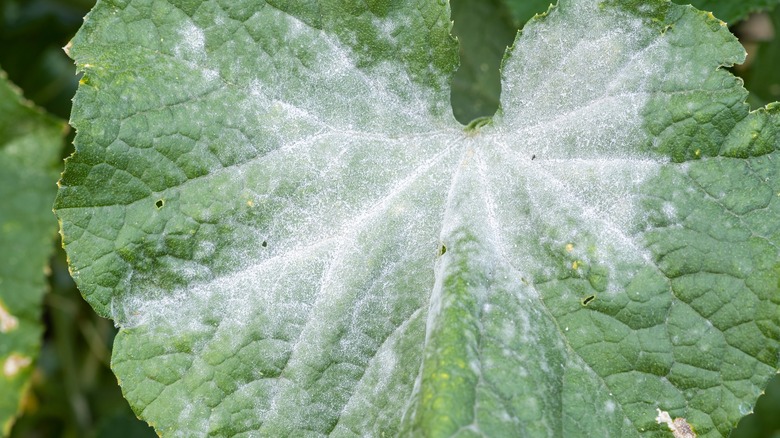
[73,391]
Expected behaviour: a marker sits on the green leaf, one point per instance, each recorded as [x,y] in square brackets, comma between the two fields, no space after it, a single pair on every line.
[30,144]
[733,11]
[295,236]
[524,10]
[484,30]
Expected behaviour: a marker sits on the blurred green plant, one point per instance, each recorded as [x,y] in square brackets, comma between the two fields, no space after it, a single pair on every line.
[30,143]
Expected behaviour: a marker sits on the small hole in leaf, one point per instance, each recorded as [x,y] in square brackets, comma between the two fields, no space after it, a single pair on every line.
[587,300]
[264,244]
[442,250]
[159,204]
[533,157]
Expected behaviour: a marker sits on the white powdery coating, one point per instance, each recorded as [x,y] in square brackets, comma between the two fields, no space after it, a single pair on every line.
[566,153]
[572,131]
[560,171]
[192,43]
[324,101]
[238,299]
[331,92]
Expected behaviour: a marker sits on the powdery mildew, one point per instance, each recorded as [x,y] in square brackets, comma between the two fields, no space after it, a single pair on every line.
[364,185]
[679,427]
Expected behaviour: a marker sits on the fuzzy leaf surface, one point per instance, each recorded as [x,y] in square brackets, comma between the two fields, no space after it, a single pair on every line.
[295,236]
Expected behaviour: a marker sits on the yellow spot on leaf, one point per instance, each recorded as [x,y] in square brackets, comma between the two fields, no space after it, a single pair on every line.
[697,152]
[249,203]
[575,265]
[14,363]
[7,321]
[569,247]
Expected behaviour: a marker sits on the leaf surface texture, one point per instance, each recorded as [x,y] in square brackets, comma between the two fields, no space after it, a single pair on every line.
[276,205]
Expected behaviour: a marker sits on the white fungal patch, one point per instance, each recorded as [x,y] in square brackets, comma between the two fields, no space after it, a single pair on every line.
[191,49]
[193,42]
[679,426]
[573,132]
[14,363]
[8,322]
[357,183]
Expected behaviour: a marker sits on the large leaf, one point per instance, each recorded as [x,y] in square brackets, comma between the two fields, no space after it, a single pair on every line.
[296,238]
[30,144]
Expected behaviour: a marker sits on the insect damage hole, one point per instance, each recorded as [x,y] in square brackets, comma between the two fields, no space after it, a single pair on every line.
[587,300]
[264,244]
[159,204]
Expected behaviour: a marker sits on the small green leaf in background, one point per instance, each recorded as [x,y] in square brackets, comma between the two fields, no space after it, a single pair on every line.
[296,237]
[761,73]
[484,29]
[30,147]
[732,11]
[32,34]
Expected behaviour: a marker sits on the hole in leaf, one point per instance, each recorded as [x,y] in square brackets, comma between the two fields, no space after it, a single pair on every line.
[587,300]
[442,250]
[159,204]
[264,244]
